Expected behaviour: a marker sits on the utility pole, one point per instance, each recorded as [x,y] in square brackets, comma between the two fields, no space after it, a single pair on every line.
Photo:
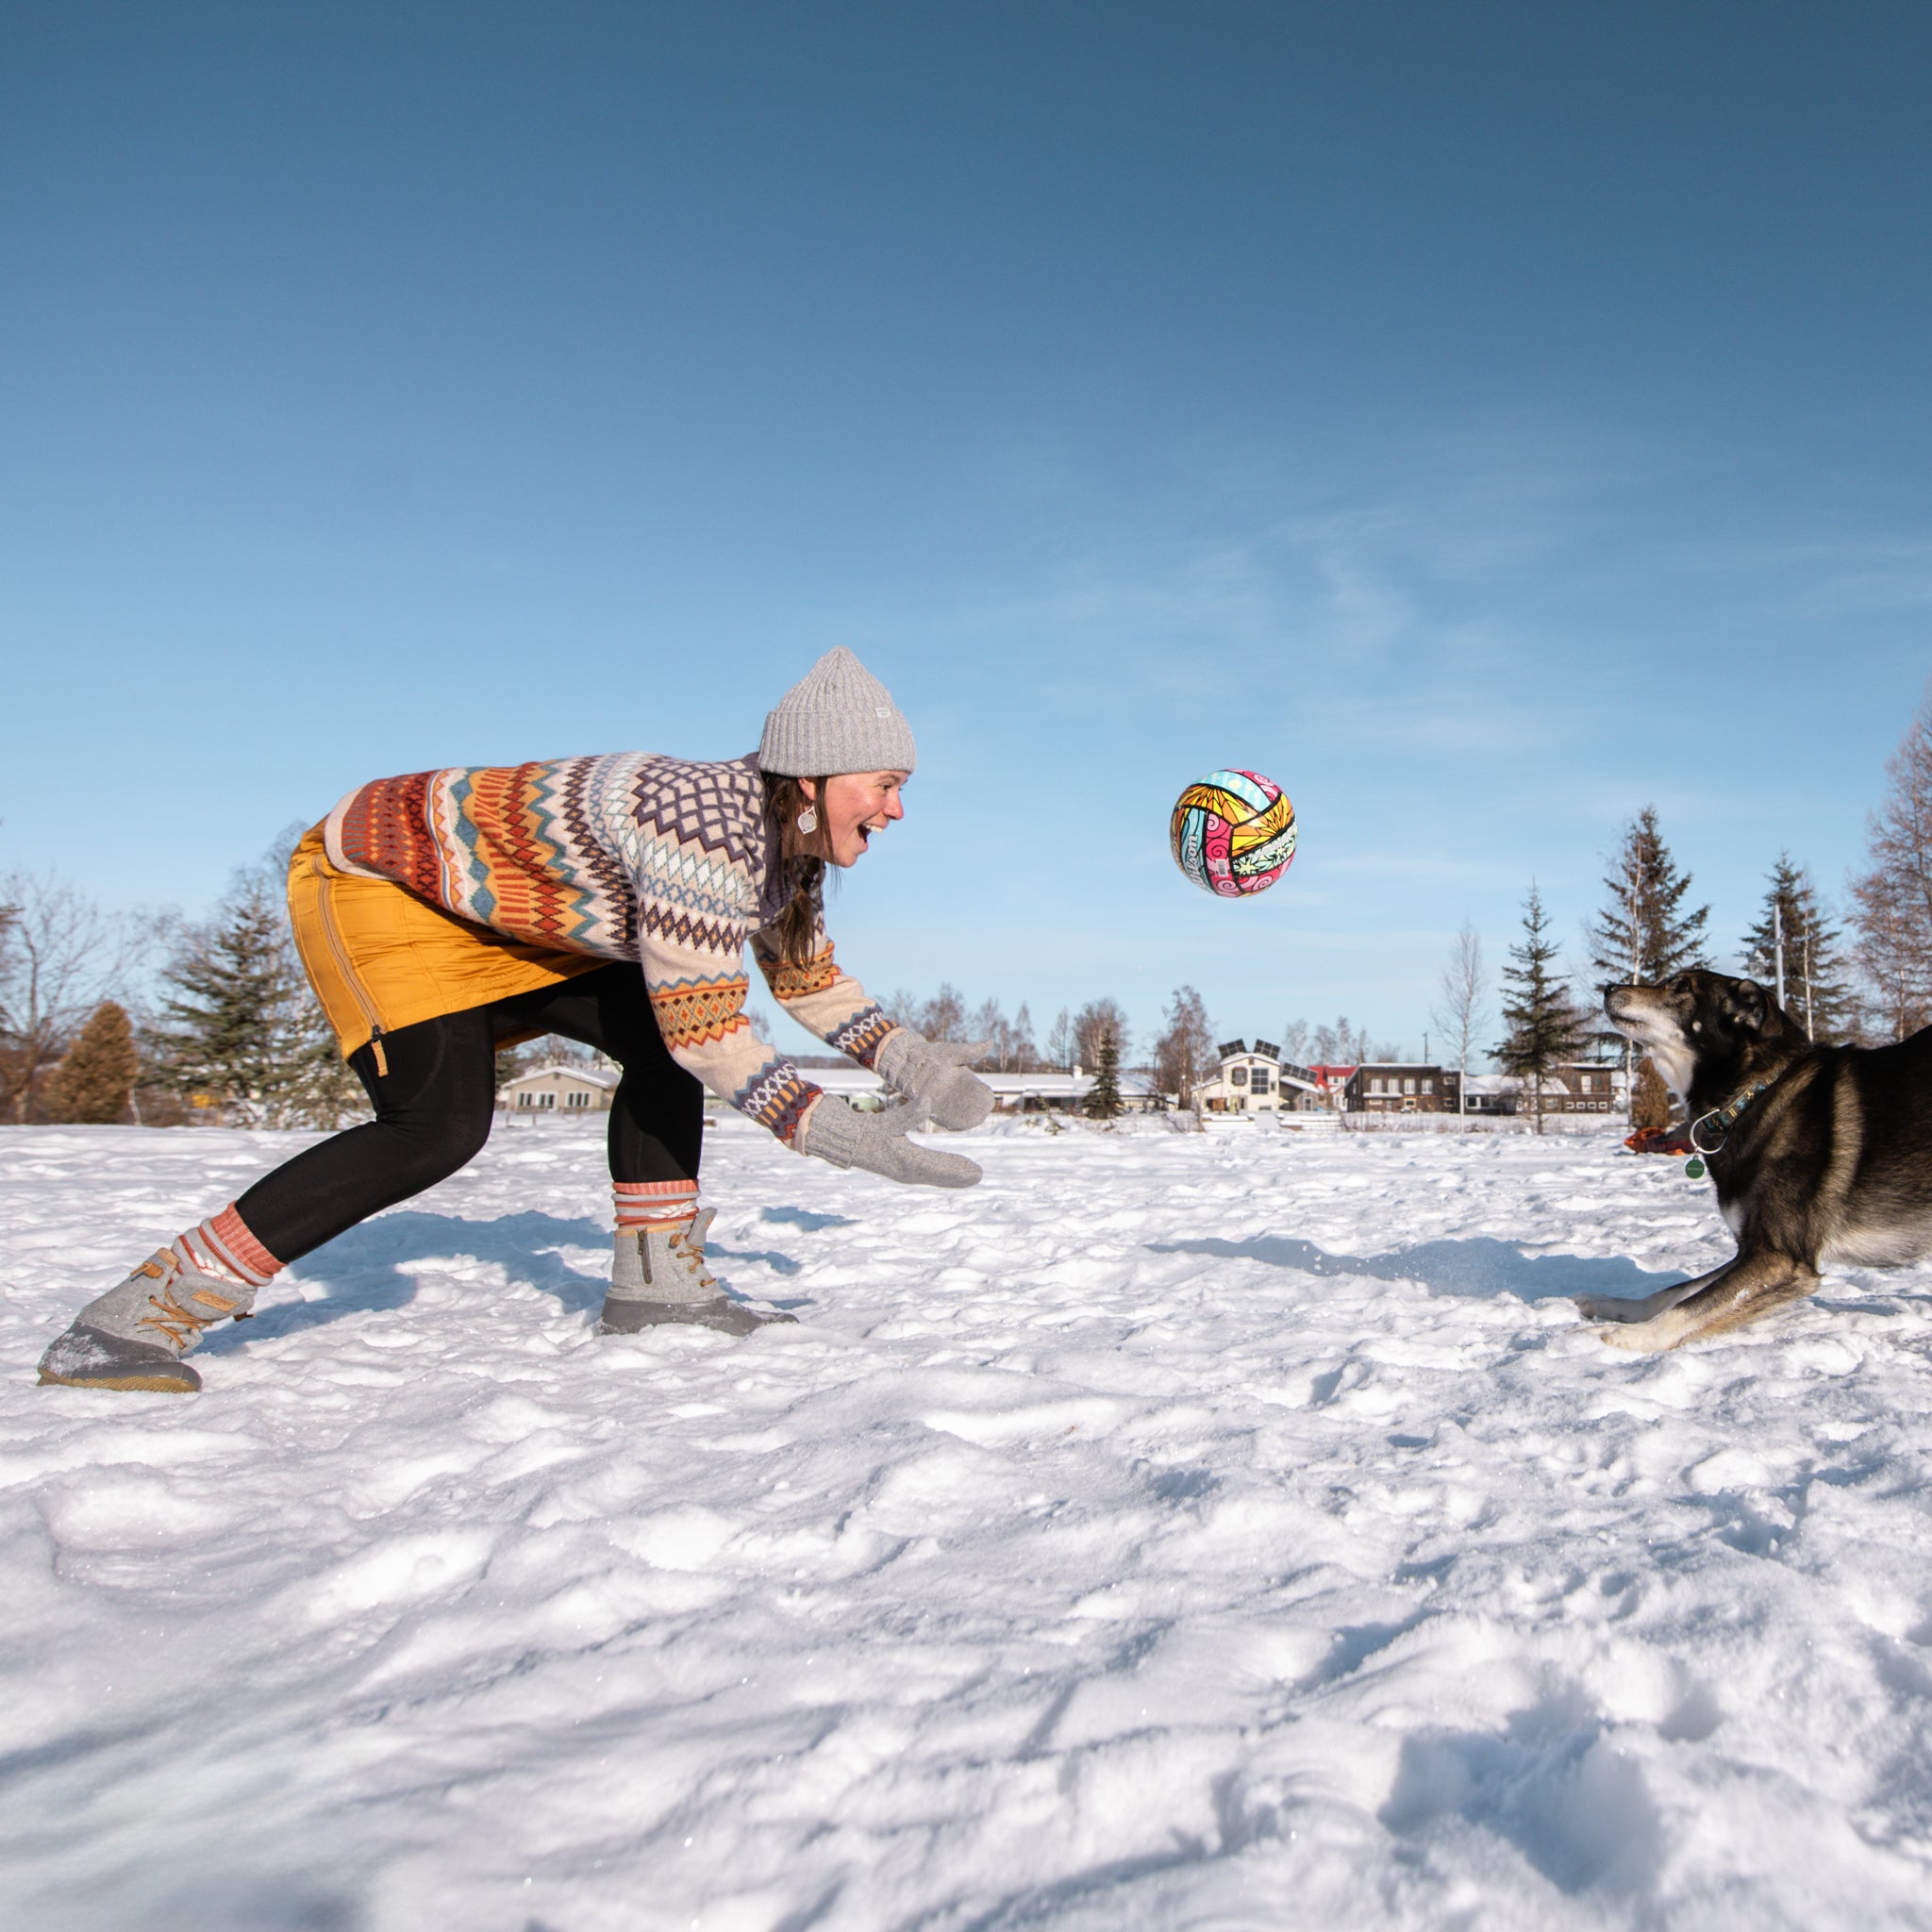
[1808,1033]
[1777,921]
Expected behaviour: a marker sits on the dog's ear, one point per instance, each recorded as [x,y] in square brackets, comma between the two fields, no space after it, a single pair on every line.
[1749,1006]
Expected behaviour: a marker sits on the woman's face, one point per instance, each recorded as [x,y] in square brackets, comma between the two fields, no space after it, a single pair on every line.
[856,805]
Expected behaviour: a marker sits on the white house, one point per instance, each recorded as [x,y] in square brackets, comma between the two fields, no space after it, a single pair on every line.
[1066,1092]
[559,1089]
[1256,1079]
[1047,1093]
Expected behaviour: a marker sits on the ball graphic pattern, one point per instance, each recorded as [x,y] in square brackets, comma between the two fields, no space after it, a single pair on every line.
[1233,833]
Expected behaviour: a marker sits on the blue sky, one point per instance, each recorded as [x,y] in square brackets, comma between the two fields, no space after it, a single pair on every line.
[1485,420]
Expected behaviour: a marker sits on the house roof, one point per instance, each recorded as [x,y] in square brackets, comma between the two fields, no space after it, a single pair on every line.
[845,1080]
[604,1078]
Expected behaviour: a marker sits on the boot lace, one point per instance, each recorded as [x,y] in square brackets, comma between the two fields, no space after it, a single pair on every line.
[180,1324]
[692,1252]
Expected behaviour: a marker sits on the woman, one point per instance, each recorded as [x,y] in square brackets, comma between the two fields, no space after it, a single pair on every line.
[448,914]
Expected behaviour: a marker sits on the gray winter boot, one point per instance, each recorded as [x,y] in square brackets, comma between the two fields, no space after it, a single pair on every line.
[134,1336]
[659,1278]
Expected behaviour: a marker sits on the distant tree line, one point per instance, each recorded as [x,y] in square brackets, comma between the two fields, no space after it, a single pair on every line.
[156,1019]
[1073,1039]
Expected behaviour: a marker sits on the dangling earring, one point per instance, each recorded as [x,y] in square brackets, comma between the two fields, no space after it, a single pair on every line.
[808,820]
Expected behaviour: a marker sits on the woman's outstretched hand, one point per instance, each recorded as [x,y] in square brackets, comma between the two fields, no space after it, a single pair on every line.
[934,1075]
[877,1142]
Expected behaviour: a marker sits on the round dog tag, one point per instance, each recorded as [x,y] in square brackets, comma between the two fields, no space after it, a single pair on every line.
[1695,1168]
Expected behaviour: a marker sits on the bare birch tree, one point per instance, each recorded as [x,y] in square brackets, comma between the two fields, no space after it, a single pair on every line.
[1098,1021]
[943,1016]
[1059,1043]
[1891,901]
[1025,1054]
[1185,1051]
[61,955]
[1465,990]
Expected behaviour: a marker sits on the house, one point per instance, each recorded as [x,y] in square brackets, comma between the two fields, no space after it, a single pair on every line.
[1256,1079]
[1050,1092]
[1585,1087]
[1401,1087]
[1581,1086]
[1330,1081]
[559,1089]
[1492,1095]
[1067,1092]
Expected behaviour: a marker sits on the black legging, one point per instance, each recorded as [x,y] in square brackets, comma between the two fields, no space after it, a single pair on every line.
[434,1107]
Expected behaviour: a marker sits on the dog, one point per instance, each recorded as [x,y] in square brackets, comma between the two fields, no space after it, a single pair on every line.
[1819,1154]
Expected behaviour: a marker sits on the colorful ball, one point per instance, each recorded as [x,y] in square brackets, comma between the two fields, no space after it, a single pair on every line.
[1233,833]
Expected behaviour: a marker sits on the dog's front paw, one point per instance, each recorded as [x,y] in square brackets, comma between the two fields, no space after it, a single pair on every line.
[1640,1338]
[1608,1308]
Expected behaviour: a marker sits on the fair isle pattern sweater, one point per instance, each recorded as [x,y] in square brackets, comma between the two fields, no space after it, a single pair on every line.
[627,856]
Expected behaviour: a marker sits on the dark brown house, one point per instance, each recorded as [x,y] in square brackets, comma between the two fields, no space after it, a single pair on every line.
[1395,1087]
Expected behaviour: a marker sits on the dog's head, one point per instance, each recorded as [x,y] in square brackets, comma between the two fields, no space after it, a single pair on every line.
[1697,1022]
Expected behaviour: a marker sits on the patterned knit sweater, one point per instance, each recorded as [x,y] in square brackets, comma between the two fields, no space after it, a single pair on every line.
[627,856]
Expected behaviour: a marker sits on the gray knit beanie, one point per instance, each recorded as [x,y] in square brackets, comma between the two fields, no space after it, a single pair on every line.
[837,718]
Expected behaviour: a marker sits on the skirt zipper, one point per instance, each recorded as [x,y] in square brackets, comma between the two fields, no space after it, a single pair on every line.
[341,954]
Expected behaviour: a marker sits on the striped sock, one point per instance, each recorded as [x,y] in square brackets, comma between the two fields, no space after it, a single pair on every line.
[667,1205]
[223,1247]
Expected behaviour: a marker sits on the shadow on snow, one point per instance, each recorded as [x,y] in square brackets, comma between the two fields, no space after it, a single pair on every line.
[363,1270]
[1476,1268]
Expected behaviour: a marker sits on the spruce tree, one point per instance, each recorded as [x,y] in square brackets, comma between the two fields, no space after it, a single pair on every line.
[94,1083]
[1104,1096]
[1643,934]
[241,1026]
[1812,994]
[1546,1028]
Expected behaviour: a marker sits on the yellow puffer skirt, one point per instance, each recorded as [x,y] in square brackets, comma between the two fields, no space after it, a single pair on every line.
[380,958]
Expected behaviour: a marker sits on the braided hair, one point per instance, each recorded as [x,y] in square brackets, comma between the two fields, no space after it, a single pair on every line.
[804,858]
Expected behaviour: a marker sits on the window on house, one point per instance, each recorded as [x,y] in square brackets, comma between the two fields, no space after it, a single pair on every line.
[1428,1085]
[1409,1085]
[1261,1080]
[523,1100]
[576,1099]
[1238,1076]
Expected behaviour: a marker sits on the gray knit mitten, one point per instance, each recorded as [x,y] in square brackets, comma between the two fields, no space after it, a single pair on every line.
[934,1075]
[877,1142]
[134,1336]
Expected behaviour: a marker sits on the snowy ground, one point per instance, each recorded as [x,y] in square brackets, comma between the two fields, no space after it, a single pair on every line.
[1223,1531]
